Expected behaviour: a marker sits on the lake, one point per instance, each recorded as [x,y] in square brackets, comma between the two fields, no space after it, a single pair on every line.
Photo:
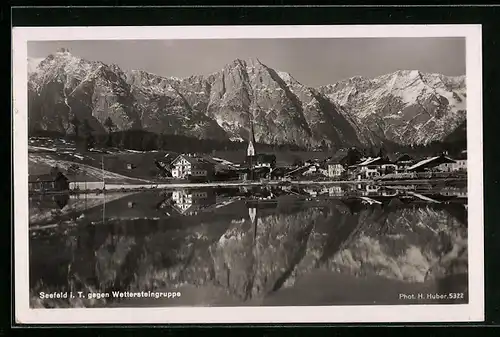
[258,246]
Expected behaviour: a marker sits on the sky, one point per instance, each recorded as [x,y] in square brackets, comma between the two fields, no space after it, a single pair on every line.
[313,62]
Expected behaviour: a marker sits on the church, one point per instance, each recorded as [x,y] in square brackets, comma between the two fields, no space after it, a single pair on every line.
[260,165]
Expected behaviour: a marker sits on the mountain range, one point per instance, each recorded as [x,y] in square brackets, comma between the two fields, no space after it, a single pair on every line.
[404,107]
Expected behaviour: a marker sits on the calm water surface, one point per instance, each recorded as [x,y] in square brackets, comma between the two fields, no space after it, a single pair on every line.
[261,246]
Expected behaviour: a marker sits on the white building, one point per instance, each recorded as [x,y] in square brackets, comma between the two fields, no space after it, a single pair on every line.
[371,168]
[403,162]
[335,170]
[446,167]
[459,164]
[190,165]
[86,185]
[369,173]
[311,170]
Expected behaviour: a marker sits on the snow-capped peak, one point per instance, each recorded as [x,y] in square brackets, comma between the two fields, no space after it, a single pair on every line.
[424,105]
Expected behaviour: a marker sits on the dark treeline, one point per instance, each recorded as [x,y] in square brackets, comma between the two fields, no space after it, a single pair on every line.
[453,147]
[141,140]
[453,143]
[147,141]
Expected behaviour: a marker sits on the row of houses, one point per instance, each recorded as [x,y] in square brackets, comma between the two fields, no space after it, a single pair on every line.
[369,168]
[264,166]
[196,167]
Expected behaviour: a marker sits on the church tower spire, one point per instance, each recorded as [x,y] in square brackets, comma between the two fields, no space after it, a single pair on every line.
[251,141]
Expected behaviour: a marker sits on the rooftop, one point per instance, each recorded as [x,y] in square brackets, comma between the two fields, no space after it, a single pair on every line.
[337,157]
[194,159]
[373,161]
[45,177]
[434,160]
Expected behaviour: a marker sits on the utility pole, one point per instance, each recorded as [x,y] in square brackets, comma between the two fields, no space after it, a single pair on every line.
[102,171]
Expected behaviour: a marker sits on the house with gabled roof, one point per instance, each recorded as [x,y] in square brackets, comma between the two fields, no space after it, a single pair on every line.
[430,163]
[191,165]
[460,161]
[403,162]
[48,183]
[371,167]
[336,164]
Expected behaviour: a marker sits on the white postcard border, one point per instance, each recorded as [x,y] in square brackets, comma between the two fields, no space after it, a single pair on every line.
[473,311]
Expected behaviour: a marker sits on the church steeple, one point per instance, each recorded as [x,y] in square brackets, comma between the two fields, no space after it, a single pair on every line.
[251,141]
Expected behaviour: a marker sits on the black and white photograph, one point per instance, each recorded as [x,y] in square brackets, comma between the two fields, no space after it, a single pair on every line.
[248,174]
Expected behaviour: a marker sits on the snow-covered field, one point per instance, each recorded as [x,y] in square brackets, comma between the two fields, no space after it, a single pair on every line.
[45,153]
[61,145]
[41,161]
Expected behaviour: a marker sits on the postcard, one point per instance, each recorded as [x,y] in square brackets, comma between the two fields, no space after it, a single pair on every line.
[248,174]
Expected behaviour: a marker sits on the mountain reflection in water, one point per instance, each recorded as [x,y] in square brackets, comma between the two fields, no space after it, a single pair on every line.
[251,246]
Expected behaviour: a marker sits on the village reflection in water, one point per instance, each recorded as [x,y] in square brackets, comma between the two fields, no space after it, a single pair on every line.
[288,245]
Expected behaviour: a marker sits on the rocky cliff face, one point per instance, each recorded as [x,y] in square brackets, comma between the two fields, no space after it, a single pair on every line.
[64,86]
[404,107]
[282,109]
[174,106]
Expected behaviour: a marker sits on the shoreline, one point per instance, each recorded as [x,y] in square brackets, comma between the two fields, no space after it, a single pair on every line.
[166,186]
[230,184]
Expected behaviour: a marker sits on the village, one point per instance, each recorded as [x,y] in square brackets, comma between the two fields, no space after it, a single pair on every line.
[198,170]
[350,167]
